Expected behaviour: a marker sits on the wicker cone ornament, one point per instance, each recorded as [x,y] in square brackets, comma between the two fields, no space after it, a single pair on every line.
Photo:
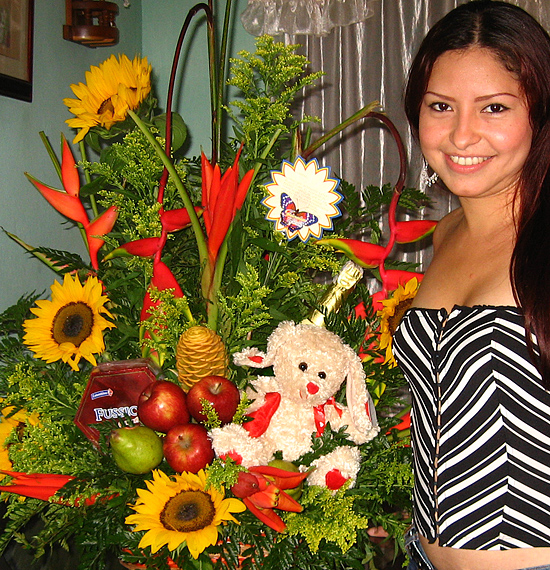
[200,353]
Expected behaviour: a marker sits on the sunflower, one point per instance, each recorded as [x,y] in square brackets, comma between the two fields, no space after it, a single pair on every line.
[70,325]
[9,421]
[392,313]
[110,90]
[181,509]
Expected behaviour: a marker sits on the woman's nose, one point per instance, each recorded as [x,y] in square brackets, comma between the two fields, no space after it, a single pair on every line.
[465,131]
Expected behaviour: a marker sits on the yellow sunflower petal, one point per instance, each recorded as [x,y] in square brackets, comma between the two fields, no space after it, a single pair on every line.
[198,541]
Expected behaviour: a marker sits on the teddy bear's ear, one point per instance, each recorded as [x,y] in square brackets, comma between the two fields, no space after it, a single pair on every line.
[360,404]
[280,336]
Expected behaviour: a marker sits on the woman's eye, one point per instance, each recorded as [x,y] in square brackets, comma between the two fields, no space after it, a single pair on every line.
[439,106]
[495,108]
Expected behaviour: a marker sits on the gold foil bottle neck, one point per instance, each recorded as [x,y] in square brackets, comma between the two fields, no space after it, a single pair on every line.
[334,297]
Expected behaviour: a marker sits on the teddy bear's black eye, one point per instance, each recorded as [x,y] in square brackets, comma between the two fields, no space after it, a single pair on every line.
[322,375]
[302,366]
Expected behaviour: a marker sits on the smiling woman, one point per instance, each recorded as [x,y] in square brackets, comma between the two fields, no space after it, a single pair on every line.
[475,345]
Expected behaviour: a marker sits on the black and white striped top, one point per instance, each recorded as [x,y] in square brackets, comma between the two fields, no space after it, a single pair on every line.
[481,428]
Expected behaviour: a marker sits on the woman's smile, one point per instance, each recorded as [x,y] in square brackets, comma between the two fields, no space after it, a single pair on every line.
[468,160]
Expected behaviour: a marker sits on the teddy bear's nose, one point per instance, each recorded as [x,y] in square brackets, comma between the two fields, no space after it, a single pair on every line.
[312,388]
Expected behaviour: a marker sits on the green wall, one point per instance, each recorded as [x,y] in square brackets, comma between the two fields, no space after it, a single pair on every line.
[161,27]
[149,27]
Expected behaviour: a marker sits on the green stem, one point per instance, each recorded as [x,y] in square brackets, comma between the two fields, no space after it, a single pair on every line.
[221,77]
[213,309]
[195,224]
[52,154]
[264,154]
[362,113]
[213,76]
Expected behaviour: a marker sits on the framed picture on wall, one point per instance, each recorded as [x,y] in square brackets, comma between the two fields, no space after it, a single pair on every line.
[16,34]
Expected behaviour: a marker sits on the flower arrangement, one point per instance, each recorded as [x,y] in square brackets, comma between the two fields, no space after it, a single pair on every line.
[188,266]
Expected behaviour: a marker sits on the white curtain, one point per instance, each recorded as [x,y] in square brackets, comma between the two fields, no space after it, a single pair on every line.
[369,61]
[316,17]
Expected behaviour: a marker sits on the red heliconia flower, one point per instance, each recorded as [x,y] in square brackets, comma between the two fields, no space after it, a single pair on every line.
[162,279]
[175,220]
[102,225]
[395,277]
[41,486]
[145,247]
[222,197]
[413,230]
[69,171]
[262,489]
[363,253]
[66,201]
[35,485]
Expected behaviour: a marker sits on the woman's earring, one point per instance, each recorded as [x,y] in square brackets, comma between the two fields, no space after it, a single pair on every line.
[426,181]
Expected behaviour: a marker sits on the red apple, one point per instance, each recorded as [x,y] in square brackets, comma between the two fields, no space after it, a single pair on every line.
[187,447]
[220,392]
[162,405]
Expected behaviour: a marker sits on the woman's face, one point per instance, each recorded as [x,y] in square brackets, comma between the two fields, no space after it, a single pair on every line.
[474,124]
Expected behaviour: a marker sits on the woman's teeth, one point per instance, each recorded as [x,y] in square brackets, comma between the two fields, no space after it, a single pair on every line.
[468,160]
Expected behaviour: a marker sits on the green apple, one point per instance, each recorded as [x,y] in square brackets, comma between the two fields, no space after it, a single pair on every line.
[136,449]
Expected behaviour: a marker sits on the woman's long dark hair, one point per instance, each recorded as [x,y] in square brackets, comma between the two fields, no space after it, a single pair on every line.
[523,47]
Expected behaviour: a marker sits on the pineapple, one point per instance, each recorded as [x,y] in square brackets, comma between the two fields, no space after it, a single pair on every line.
[200,353]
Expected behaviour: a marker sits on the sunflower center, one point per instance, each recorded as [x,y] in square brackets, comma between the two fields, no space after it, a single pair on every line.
[73,323]
[188,511]
[106,106]
[400,310]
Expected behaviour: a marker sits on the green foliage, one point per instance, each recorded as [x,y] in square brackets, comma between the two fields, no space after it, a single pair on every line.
[269,80]
[247,310]
[54,395]
[11,333]
[223,474]
[327,516]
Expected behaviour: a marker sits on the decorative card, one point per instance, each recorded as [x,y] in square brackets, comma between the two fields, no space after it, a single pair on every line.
[302,199]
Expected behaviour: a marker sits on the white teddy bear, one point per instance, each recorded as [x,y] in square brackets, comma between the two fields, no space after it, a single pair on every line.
[310,364]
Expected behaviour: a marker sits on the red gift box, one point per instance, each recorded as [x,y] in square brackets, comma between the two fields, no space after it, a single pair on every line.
[112,393]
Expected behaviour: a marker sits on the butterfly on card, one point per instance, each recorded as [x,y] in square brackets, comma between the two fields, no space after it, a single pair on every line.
[292,218]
